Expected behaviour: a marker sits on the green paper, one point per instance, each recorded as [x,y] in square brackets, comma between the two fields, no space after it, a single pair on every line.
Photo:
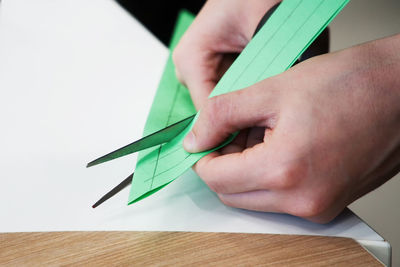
[171,103]
[278,44]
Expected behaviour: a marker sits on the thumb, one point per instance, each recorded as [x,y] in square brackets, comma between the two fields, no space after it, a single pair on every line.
[225,114]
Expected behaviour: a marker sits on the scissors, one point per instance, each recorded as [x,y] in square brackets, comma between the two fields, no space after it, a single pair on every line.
[168,133]
[157,138]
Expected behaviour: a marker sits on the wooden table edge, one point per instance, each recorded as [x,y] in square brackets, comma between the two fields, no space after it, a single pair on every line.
[179,248]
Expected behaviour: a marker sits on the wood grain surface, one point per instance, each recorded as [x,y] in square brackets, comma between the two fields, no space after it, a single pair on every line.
[177,249]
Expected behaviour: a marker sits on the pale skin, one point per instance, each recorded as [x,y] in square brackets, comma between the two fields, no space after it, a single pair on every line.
[312,139]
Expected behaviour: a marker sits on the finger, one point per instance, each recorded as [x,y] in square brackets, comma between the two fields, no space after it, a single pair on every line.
[201,81]
[197,74]
[195,64]
[235,172]
[225,114]
[262,200]
[199,91]
[277,202]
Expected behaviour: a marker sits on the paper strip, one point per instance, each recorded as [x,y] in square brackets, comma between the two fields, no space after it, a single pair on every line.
[171,103]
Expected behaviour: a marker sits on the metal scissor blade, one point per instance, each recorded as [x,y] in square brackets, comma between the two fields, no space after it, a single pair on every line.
[162,136]
[127,181]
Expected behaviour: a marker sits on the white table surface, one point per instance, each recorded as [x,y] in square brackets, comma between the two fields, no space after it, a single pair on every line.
[77,78]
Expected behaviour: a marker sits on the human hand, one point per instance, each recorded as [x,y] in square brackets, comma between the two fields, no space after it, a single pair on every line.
[324,133]
[220,31]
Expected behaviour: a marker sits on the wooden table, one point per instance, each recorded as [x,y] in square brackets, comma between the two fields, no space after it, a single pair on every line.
[179,248]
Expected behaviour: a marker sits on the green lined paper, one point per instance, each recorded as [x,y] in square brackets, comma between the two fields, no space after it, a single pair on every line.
[171,103]
[287,33]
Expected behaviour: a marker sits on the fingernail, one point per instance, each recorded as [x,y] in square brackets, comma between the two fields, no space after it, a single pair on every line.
[189,143]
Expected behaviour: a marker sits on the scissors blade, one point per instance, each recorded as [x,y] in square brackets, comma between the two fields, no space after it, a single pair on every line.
[127,181]
[162,136]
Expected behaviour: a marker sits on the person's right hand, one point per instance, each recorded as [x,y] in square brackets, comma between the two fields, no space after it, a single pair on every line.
[323,134]
[220,31]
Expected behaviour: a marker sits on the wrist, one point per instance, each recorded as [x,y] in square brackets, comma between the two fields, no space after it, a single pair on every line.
[383,60]
[378,68]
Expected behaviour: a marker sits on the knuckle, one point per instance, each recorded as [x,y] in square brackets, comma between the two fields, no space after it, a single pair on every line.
[310,207]
[215,186]
[213,105]
[220,110]
[288,176]
[207,174]
[211,111]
